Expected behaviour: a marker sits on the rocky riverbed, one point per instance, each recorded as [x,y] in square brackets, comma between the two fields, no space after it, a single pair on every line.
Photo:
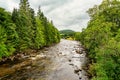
[63,61]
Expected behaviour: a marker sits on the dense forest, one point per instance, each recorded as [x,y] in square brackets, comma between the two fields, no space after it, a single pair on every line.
[102,40]
[22,29]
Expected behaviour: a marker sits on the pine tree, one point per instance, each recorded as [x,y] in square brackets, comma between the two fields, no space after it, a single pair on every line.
[26,26]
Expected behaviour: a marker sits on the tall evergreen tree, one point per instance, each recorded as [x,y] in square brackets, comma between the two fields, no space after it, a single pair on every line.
[8,34]
[26,27]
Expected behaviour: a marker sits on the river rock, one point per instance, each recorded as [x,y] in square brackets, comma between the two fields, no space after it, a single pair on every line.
[69,60]
[76,71]
[38,57]
[60,52]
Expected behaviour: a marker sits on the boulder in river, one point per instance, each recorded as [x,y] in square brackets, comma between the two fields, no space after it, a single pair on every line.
[69,60]
[78,70]
[60,52]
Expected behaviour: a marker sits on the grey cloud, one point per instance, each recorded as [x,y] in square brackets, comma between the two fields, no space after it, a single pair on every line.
[2,4]
[53,2]
[66,14]
[48,5]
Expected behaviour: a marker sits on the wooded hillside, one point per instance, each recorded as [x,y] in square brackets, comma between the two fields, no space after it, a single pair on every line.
[102,40]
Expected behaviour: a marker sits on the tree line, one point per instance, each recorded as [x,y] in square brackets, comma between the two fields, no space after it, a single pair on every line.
[22,29]
[70,34]
[65,34]
[102,40]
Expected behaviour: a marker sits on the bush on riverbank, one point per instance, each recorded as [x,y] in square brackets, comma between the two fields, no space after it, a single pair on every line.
[21,30]
[102,40]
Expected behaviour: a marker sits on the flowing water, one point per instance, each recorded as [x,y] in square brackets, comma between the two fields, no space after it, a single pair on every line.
[63,61]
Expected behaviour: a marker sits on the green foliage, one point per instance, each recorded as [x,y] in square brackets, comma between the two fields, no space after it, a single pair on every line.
[51,34]
[102,40]
[77,36]
[8,34]
[22,30]
[40,37]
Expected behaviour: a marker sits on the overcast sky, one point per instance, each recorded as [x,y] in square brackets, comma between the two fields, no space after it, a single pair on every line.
[66,14]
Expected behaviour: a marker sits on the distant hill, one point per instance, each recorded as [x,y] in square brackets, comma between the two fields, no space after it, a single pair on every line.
[67,33]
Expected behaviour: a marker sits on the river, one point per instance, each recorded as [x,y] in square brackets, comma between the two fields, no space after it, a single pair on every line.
[63,61]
